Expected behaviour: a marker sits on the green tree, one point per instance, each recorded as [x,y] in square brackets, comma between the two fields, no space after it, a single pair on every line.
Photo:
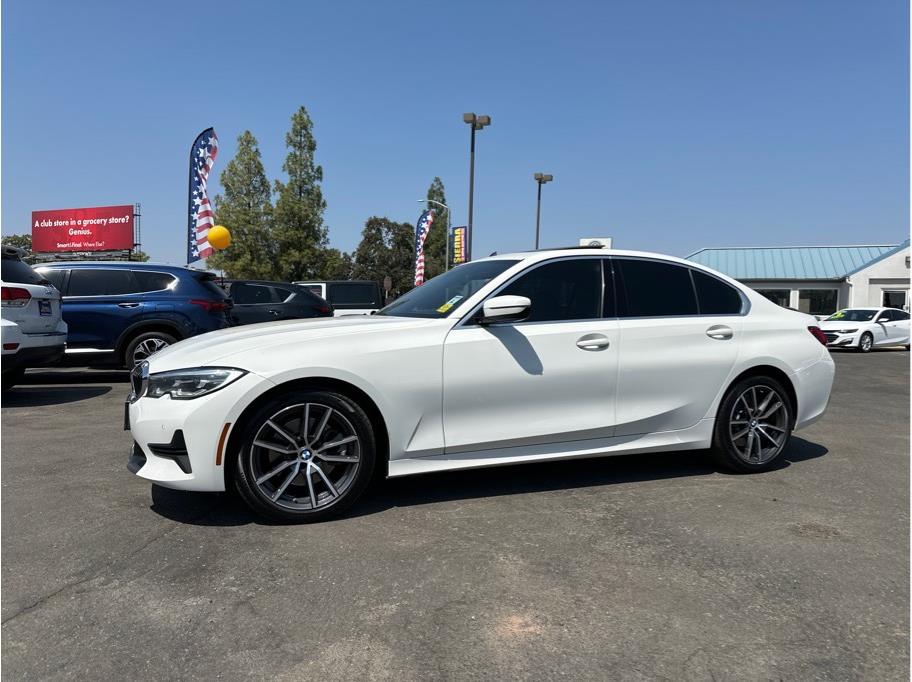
[139,256]
[435,246]
[299,231]
[337,264]
[385,250]
[246,210]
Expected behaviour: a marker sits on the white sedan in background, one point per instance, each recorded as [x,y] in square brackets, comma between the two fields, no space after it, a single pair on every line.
[865,328]
[527,357]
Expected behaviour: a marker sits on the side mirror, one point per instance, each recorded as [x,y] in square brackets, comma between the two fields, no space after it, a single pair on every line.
[505,309]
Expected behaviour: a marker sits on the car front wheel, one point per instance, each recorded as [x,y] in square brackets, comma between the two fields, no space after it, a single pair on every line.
[866,342]
[753,425]
[305,456]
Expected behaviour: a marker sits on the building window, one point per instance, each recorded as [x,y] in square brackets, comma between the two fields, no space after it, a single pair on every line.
[817,301]
[777,296]
[894,299]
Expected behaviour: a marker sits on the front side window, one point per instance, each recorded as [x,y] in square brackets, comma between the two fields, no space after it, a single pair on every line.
[885,316]
[100,282]
[647,288]
[446,293]
[817,301]
[569,289]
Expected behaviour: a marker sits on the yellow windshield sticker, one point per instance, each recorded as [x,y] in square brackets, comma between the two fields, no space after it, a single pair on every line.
[449,304]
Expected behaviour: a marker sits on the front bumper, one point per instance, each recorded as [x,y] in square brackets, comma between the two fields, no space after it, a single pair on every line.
[837,340]
[189,460]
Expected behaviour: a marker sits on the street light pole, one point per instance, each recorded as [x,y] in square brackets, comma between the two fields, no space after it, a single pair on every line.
[446,264]
[541,179]
[475,123]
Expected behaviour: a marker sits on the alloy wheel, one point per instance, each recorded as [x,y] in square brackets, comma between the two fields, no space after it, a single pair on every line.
[147,347]
[758,424]
[305,457]
[866,343]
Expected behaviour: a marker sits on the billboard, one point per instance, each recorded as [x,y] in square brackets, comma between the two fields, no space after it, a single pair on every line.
[457,245]
[101,228]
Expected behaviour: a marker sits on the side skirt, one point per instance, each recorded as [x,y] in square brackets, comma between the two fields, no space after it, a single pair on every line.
[696,437]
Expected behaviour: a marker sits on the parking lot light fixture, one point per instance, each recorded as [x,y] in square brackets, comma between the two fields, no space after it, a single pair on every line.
[475,122]
[541,179]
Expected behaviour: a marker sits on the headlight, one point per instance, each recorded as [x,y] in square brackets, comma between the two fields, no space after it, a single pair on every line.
[186,384]
[846,331]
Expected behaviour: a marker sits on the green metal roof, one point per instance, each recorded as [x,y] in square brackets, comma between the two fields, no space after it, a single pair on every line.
[794,262]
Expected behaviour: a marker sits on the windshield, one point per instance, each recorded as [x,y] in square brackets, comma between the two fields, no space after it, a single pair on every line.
[852,316]
[443,294]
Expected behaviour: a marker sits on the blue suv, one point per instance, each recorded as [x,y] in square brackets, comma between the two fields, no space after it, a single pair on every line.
[119,313]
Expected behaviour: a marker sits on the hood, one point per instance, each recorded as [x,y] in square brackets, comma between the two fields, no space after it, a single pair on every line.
[208,349]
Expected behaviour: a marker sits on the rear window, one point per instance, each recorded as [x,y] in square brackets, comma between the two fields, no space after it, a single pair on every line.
[354,293]
[152,281]
[17,272]
[100,282]
[207,281]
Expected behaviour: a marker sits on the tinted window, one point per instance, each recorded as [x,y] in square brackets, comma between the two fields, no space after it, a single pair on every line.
[885,316]
[654,289]
[55,277]
[207,281]
[562,290]
[900,315]
[364,294]
[251,294]
[715,296]
[99,282]
[17,272]
[281,294]
[152,281]
[315,289]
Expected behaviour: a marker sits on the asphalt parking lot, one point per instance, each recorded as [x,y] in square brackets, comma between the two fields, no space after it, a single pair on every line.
[645,567]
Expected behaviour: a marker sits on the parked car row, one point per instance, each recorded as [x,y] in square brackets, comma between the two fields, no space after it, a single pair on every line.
[119,313]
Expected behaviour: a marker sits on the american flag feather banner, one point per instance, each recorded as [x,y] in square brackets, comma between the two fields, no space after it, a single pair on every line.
[199,210]
[421,234]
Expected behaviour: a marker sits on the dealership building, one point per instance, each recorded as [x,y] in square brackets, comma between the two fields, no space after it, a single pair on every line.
[818,279]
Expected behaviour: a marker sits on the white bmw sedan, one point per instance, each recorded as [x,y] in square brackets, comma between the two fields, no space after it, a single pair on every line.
[515,358]
[865,328]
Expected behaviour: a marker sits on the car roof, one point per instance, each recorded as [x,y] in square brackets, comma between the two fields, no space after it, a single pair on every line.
[863,307]
[116,264]
[544,254]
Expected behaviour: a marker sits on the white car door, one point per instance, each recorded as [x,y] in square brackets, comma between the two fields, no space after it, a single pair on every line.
[679,335]
[893,329]
[548,379]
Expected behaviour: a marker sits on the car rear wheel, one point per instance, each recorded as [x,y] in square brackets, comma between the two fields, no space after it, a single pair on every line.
[866,342]
[753,425]
[12,377]
[305,456]
[145,345]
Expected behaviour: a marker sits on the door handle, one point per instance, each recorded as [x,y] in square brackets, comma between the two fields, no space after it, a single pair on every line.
[719,332]
[128,305]
[593,342]
[273,312]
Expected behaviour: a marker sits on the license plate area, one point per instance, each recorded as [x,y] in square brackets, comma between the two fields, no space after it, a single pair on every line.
[44,307]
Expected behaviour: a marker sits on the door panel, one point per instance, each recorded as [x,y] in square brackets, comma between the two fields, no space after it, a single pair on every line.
[528,384]
[671,370]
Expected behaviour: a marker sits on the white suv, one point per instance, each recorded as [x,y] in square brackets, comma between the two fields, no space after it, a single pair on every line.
[33,331]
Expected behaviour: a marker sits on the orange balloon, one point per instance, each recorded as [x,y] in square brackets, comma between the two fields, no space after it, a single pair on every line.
[219,237]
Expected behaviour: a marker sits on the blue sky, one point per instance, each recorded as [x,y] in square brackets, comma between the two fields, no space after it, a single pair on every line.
[668,125]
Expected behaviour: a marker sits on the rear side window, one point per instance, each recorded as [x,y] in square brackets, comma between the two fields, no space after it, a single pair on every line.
[900,315]
[55,277]
[362,294]
[647,288]
[569,289]
[17,272]
[100,282]
[152,281]
[715,296]
[281,294]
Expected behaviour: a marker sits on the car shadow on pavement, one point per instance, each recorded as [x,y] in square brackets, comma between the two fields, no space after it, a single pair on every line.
[221,509]
[33,396]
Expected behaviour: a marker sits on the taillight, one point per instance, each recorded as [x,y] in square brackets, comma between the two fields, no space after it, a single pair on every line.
[15,297]
[818,334]
[322,309]
[210,306]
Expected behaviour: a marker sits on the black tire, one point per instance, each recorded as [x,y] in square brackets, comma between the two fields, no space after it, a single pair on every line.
[11,377]
[146,341]
[733,416]
[296,495]
[865,343]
